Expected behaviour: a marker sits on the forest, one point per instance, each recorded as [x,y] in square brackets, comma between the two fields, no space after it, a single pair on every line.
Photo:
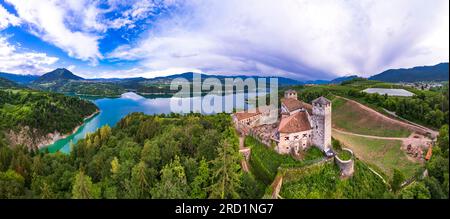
[166,156]
[45,111]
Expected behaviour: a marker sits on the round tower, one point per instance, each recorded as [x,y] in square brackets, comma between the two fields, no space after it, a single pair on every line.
[321,121]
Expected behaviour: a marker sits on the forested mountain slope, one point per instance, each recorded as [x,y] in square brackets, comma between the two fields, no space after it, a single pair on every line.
[27,117]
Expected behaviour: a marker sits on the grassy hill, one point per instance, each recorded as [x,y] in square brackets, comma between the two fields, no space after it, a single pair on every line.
[350,117]
[385,154]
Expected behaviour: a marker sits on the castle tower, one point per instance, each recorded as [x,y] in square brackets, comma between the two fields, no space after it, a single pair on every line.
[321,121]
[290,94]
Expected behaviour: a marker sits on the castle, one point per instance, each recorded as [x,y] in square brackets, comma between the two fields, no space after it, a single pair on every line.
[299,125]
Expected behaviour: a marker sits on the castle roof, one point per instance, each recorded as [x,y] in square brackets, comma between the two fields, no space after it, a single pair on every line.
[297,122]
[251,113]
[321,100]
[294,104]
[245,115]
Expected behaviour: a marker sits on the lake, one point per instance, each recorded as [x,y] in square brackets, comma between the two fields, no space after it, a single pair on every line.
[114,109]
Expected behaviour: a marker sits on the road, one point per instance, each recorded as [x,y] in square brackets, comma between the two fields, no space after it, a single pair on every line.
[368,136]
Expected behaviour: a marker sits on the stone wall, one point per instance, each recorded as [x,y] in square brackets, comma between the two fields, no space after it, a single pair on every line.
[300,143]
[346,166]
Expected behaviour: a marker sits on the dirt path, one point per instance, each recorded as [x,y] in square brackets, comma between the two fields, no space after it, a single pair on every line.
[415,127]
[243,150]
[369,136]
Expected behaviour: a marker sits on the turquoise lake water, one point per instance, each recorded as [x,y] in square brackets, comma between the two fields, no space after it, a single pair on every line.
[114,109]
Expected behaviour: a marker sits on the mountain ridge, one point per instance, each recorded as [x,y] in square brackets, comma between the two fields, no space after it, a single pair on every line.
[17,78]
[58,74]
[437,72]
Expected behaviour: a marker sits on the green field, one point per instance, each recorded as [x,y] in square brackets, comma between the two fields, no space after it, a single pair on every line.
[350,117]
[385,154]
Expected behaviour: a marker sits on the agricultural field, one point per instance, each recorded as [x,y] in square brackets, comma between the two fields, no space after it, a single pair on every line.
[350,117]
[385,154]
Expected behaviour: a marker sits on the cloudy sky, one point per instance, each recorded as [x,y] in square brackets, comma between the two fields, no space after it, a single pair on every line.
[302,39]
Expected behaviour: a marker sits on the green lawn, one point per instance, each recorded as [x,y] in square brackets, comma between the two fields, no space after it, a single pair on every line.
[385,154]
[349,117]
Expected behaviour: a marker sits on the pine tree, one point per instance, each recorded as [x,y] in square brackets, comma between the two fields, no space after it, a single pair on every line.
[140,179]
[201,181]
[226,173]
[173,182]
[83,188]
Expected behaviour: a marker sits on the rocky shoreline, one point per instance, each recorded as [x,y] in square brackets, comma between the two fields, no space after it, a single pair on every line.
[56,136]
[32,140]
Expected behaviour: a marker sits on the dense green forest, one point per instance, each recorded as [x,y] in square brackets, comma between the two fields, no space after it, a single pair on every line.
[47,112]
[192,156]
[430,108]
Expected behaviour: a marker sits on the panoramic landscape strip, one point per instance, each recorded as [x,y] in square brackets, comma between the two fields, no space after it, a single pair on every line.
[256,99]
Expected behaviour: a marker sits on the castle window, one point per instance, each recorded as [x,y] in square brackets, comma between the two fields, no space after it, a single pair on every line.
[317,126]
[296,137]
[304,135]
[286,138]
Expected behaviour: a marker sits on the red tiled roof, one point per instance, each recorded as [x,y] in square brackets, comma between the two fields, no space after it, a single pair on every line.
[297,122]
[250,113]
[291,104]
[245,115]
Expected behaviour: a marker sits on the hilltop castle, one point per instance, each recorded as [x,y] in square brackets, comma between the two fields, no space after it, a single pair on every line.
[300,125]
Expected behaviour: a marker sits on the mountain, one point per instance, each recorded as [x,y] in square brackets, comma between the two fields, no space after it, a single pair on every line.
[342,79]
[334,81]
[5,83]
[20,79]
[189,76]
[437,72]
[56,75]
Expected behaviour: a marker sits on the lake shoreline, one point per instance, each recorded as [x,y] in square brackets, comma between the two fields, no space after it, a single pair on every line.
[54,140]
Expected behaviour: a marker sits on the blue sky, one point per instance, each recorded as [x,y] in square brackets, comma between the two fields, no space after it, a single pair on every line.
[302,39]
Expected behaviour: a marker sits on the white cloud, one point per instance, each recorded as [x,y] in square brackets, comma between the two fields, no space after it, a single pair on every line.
[295,38]
[7,18]
[71,67]
[136,10]
[51,20]
[136,72]
[19,62]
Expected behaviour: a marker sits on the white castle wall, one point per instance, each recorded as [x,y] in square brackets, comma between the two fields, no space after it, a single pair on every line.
[321,121]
